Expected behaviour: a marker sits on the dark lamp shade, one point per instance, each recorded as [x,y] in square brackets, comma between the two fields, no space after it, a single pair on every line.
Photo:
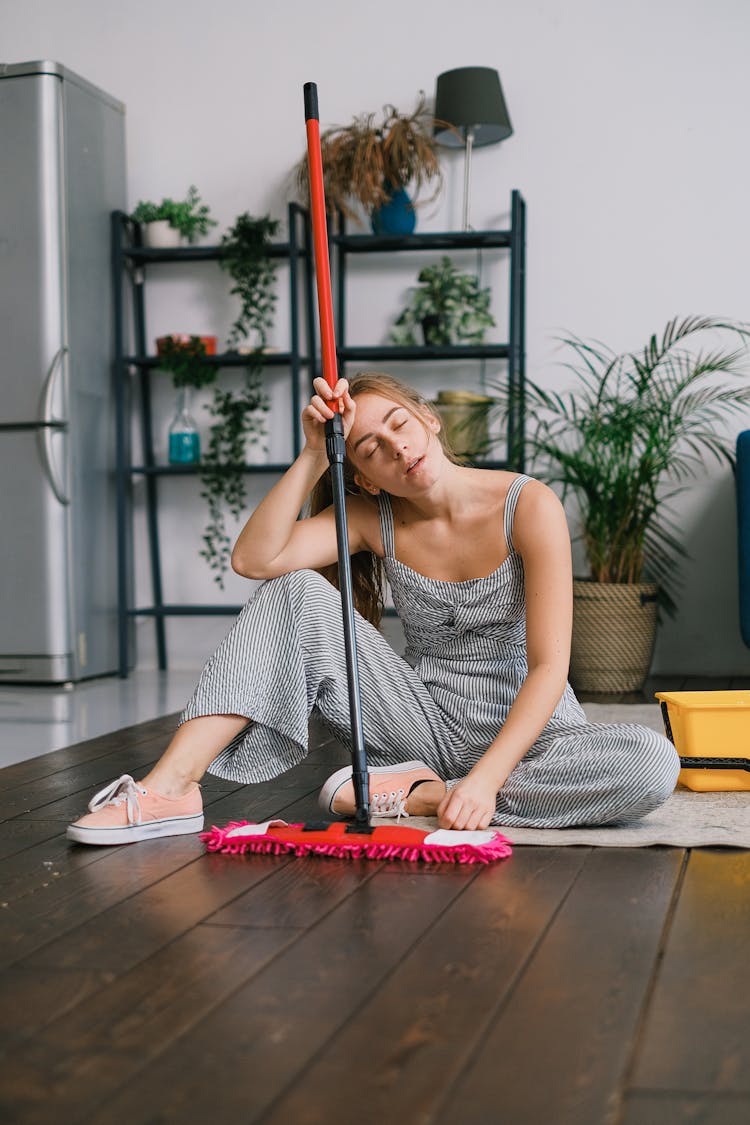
[471,97]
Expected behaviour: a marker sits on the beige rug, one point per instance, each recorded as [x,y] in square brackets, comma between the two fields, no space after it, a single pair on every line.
[686,820]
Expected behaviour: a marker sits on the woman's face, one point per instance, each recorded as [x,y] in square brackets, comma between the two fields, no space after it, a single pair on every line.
[392,448]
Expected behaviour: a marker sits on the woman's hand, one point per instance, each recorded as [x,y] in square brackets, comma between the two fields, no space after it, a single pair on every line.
[318,411]
[468,805]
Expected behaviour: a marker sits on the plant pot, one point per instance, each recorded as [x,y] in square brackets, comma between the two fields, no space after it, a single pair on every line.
[614,628]
[161,235]
[434,333]
[397,216]
[465,417]
[209,342]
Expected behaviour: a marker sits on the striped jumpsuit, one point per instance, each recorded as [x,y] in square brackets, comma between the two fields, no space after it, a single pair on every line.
[444,704]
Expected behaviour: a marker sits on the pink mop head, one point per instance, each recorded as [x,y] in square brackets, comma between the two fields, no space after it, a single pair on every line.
[276,837]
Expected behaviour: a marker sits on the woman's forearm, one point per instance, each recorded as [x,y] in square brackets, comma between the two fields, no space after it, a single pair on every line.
[528,716]
[269,528]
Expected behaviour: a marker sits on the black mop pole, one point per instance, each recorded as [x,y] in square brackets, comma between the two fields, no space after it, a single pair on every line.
[334,430]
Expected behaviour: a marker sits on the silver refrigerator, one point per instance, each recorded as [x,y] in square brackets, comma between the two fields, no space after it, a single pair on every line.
[62,173]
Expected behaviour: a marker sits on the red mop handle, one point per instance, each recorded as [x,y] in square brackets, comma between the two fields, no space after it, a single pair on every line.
[320,236]
[336,450]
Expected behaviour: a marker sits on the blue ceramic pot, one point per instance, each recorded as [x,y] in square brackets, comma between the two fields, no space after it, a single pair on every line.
[397,216]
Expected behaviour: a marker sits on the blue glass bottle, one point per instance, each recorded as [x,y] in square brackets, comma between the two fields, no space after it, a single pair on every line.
[184,439]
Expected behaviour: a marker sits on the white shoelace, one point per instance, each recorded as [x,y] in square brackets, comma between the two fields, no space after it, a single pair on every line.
[389,804]
[124,789]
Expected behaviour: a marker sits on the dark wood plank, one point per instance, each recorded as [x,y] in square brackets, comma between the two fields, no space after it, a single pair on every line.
[41,797]
[72,1065]
[236,1061]
[305,890]
[32,998]
[31,871]
[298,895]
[22,773]
[133,929]
[18,835]
[108,876]
[292,797]
[403,1050]
[559,1047]
[697,1034]
[684,1109]
[67,903]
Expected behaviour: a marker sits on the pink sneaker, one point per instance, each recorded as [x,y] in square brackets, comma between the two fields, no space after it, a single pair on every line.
[389,788]
[125,811]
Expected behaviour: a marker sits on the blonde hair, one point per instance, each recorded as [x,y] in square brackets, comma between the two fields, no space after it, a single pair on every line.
[368,571]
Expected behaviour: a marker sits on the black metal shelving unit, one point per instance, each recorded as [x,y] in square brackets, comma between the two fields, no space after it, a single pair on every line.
[514,351]
[133,370]
[130,262]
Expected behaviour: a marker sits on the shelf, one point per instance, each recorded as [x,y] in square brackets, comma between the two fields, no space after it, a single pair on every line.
[143,255]
[194,470]
[446,240]
[426,352]
[132,263]
[132,273]
[226,359]
[186,611]
[489,464]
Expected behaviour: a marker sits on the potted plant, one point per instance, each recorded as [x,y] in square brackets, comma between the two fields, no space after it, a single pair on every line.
[165,224]
[623,442]
[447,307]
[373,160]
[239,414]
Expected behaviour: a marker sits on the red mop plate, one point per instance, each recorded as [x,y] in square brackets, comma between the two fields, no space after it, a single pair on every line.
[389,842]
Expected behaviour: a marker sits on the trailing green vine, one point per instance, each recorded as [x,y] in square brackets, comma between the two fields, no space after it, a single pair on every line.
[239,414]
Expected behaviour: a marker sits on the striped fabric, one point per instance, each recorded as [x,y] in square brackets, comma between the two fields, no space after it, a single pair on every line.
[444,704]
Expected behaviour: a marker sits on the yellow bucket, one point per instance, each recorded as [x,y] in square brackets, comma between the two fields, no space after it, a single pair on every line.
[708,725]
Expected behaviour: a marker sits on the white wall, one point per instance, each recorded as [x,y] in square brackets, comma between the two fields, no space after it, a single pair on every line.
[630,147]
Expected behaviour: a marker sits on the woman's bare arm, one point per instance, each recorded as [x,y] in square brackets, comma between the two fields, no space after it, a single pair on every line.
[274,541]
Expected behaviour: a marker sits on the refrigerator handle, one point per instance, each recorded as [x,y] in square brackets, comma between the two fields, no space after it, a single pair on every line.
[48,424]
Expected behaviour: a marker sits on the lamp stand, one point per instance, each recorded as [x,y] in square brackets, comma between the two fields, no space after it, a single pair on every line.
[467,174]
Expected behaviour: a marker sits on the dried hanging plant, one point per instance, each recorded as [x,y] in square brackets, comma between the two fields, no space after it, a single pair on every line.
[367,160]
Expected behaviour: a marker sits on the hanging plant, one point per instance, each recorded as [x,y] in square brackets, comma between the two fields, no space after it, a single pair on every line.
[239,414]
[245,257]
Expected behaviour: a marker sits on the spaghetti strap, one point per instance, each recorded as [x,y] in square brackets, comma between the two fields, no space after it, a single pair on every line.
[511,501]
[386,524]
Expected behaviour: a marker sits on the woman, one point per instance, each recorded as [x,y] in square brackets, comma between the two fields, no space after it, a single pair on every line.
[484,728]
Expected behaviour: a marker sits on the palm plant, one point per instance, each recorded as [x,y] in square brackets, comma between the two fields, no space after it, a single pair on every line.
[629,435]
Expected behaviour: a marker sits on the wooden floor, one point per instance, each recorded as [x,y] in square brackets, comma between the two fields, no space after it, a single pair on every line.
[156,983]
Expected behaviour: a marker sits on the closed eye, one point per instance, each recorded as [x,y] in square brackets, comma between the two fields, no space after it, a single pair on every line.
[376,446]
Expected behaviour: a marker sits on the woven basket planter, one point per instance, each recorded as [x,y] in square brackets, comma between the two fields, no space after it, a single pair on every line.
[614,628]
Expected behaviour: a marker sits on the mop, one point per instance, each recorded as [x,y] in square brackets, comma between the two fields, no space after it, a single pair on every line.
[339,838]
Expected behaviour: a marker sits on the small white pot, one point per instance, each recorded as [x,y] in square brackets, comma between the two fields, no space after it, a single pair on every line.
[161,235]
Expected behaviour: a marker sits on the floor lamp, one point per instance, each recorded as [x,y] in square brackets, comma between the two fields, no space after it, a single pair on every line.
[470,112]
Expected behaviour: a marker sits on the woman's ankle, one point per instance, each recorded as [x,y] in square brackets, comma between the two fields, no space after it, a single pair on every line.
[167,784]
[193,747]
[425,798]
